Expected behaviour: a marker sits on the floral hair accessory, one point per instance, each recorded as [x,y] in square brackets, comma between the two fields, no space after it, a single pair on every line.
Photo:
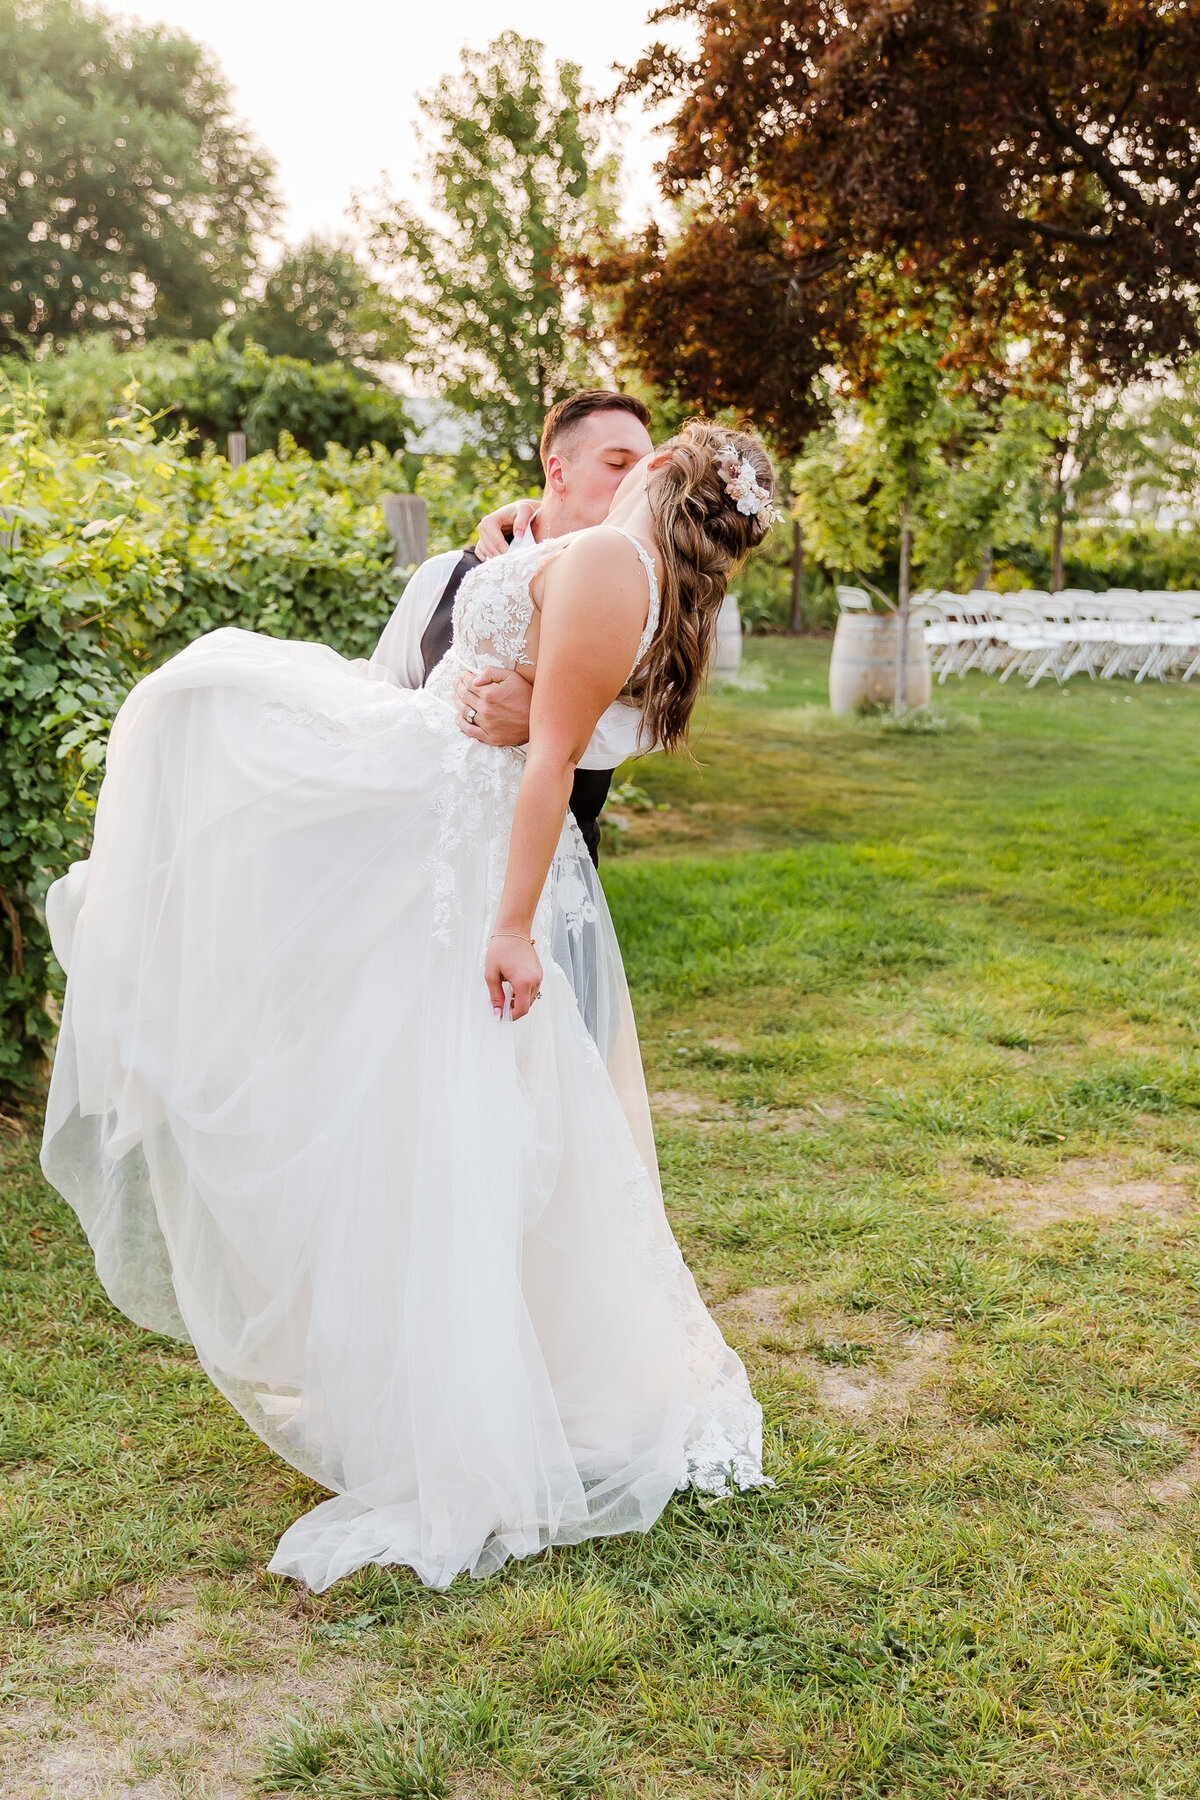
[743,486]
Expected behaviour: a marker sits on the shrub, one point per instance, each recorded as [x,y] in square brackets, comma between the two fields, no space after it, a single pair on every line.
[218,390]
[211,389]
[287,546]
[1097,556]
[82,386]
[89,568]
[120,551]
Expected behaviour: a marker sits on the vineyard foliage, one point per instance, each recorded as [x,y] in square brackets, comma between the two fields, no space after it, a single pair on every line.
[115,551]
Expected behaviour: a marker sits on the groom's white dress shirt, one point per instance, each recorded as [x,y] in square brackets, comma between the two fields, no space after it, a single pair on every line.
[617,736]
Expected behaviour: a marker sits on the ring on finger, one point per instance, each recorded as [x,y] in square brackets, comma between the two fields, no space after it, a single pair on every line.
[471,715]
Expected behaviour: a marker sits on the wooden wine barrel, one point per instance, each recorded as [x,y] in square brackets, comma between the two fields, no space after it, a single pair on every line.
[727,656]
[862,669]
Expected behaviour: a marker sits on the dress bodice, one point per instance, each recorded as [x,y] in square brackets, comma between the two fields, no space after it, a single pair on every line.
[494,608]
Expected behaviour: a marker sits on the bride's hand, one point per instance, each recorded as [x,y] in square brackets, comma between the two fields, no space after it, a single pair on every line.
[512,958]
[496,529]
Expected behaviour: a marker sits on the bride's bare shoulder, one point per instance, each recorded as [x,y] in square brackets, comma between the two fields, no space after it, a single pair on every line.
[596,589]
[599,553]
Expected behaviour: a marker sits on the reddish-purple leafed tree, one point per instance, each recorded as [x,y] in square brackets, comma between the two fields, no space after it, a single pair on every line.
[1039,158]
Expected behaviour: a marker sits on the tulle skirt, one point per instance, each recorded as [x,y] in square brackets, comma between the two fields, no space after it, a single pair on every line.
[422,1252]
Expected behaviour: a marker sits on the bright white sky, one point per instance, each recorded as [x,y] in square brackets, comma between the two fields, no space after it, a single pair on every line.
[330,89]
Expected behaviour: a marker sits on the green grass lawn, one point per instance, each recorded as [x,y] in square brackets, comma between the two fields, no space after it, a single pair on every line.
[919,1014]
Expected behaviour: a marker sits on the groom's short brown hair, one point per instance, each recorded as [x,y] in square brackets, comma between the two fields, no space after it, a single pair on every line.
[570,412]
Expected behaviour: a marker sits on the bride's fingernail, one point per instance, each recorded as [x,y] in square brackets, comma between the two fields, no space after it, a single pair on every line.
[495,1012]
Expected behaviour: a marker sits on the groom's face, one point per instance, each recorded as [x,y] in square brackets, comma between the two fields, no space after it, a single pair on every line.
[589,463]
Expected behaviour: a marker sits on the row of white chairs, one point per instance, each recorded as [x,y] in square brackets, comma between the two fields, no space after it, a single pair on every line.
[1033,634]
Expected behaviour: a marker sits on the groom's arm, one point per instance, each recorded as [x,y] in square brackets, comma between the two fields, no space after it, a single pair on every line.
[500,701]
[497,531]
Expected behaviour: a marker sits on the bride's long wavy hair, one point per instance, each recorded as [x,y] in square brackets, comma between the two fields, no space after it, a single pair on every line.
[703,539]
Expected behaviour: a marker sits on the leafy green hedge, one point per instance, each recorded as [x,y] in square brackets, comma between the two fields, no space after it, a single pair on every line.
[88,567]
[286,546]
[1102,556]
[120,551]
[211,389]
[217,390]
[123,549]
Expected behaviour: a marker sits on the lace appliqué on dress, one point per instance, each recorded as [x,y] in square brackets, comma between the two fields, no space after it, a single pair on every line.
[492,615]
[571,899]
[314,720]
[474,812]
[494,609]
[725,1444]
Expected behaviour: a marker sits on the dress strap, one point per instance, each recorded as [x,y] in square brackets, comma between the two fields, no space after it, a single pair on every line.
[647,636]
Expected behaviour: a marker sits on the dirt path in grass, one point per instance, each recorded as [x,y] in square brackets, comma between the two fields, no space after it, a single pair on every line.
[175,1710]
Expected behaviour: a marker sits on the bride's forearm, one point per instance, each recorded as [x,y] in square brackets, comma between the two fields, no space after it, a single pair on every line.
[593,607]
[537,823]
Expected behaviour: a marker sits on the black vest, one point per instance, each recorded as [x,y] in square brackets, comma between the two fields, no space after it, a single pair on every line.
[590,789]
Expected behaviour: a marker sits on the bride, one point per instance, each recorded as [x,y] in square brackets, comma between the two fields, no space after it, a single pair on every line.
[324,1098]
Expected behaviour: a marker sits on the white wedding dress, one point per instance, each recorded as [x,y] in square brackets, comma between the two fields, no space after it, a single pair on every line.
[422,1252]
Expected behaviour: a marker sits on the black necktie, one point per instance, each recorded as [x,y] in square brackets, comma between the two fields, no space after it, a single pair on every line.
[436,637]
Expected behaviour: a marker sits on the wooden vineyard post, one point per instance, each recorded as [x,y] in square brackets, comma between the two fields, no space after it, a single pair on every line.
[406,517]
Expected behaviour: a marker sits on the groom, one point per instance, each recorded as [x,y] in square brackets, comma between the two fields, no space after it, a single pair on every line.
[589,441]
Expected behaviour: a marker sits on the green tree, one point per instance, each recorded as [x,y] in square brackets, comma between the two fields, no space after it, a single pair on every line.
[1139,442]
[1092,446]
[1151,447]
[498,322]
[924,464]
[216,389]
[130,198]
[320,305]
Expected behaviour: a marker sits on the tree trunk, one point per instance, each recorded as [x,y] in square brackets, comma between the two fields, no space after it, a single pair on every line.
[17,953]
[795,619]
[1056,551]
[901,700]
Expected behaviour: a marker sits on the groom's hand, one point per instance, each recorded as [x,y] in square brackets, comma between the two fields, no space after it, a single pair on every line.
[496,530]
[494,707]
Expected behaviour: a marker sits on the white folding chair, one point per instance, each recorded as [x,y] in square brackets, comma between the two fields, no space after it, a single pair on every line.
[1058,630]
[1132,634]
[1177,634]
[1184,638]
[1090,624]
[951,633]
[1024,633]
